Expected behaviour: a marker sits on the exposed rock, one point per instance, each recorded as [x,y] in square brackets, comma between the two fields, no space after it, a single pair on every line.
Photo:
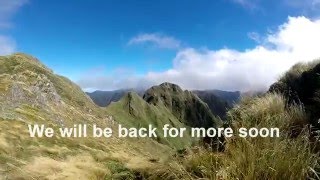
[16,94]
[45,91]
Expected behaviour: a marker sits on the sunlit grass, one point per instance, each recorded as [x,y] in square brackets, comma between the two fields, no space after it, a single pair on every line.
[285,157]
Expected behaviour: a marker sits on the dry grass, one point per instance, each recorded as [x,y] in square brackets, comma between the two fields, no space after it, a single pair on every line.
[23,157]
[74,167]
[296,71]
[255,158]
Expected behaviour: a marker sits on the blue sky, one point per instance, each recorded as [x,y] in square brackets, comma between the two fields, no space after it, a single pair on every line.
[197,44]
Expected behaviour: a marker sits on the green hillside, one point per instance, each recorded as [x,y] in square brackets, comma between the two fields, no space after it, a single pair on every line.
[164,104]
[184,105]
[30,93]
[218,106]
[133,111]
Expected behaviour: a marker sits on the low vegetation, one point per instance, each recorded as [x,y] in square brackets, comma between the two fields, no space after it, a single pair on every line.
[30,93]
[286,157]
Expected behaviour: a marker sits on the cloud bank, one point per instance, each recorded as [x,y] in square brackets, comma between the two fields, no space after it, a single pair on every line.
[229,69]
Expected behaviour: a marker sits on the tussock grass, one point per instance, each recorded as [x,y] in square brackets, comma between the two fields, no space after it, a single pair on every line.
[294,73]
[286,157]
[74,167]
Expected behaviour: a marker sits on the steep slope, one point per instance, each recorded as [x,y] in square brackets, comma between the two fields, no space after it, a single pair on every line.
[284,157]
[104,98]
[229,96]
[30,93]
[302,85]
[217,106]
[133,111]
[184,105]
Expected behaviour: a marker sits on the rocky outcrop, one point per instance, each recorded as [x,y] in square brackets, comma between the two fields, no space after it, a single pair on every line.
[34,89]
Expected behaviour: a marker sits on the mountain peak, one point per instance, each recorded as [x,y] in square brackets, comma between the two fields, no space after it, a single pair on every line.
[27,56]
[184,105]
[171,86]
[19,62]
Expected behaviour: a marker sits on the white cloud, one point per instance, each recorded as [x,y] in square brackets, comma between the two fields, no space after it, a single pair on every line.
[228,69]
[7,45]
[156,39]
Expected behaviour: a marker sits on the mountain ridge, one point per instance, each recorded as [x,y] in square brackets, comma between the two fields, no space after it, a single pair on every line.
[185,106]
[218,101]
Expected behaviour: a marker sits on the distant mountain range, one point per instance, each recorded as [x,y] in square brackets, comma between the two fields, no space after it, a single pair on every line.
[160,105]
[218,101]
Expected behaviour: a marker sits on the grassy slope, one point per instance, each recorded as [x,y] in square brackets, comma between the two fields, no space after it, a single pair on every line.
[301,84]
[184,105]
[218,106]
[285,157]
[133,111]
[23,101]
